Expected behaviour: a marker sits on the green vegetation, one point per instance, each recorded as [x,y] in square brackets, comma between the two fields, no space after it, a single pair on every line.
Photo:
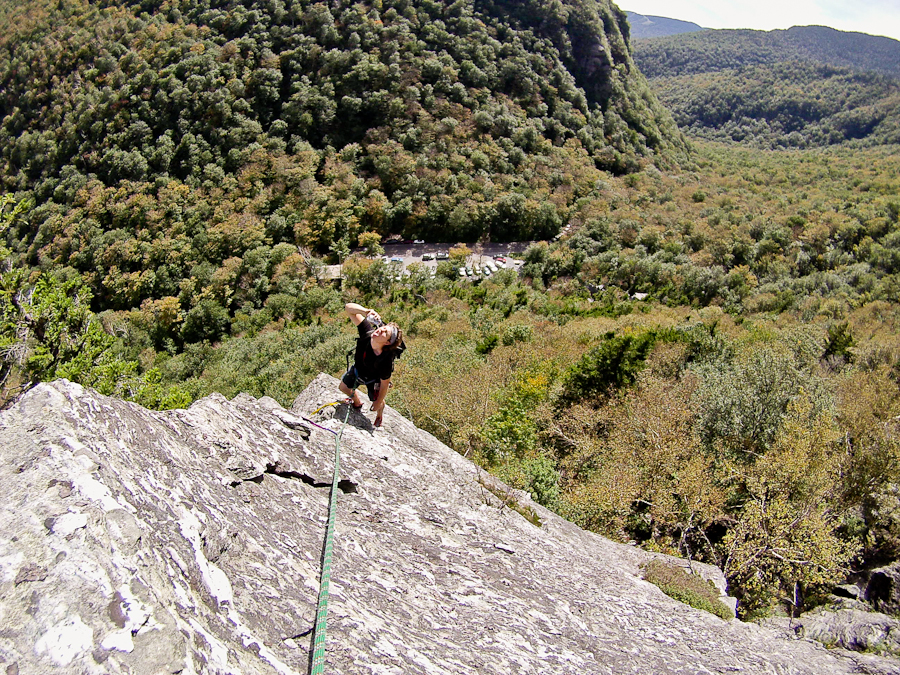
[808,87]
[711,50]
[194,163]
[685,587]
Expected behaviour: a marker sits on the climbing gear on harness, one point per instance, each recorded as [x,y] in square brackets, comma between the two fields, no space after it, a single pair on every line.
[318,662]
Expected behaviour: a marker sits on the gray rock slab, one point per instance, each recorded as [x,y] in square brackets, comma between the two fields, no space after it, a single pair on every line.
[190,541]
[848,628]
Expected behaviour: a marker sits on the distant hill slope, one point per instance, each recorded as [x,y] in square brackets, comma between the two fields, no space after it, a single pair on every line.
[647,26]
[801,87]
[705,51]
[143,90]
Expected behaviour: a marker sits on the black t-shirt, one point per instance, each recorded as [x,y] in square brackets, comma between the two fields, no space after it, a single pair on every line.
[371,366]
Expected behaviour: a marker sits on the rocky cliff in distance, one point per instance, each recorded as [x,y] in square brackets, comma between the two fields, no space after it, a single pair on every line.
[189,541]
[648,26]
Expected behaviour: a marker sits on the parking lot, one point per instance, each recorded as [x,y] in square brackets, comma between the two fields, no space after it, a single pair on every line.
[407,253]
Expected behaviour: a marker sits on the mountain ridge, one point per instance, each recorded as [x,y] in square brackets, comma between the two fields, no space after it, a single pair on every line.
[808,86]
[644,26]
[715,49]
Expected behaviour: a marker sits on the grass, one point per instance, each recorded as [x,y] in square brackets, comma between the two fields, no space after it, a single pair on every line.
[691,589]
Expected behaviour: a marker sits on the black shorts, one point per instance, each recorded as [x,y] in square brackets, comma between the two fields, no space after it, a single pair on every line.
[352,379]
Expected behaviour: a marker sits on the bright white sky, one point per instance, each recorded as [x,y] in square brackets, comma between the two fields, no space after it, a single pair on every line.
[875,17]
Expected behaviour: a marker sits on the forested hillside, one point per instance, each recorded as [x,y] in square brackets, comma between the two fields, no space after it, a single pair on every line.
[415,116]
[708,51]
[804,87]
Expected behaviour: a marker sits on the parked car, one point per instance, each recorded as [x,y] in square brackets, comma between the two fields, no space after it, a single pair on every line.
[418,241]
[397,258]
[500,258]
[443,255]
[462,271]
[428,256]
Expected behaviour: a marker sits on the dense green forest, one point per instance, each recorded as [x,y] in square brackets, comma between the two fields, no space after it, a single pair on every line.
[193,153]
[805,87]
[398,117]
[700,352]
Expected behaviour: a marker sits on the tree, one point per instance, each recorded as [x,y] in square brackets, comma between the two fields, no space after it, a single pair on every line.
[48,331]
[785,542]
[371,244]
[459,255]
[611,365]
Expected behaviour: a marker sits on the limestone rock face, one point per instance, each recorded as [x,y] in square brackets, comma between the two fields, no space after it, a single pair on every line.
[190,541]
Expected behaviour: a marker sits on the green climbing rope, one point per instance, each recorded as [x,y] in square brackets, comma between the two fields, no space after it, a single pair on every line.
[318,662]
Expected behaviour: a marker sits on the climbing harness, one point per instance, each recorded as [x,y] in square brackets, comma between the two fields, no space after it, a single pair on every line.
[318,662]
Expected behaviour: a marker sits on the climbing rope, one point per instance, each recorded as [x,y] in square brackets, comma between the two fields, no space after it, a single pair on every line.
[318,661]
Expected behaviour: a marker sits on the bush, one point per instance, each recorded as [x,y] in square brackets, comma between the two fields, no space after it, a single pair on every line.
[839,342]
[536,475]
[741,403]
[609,366]
[519,333]
[509,432]
[486,346]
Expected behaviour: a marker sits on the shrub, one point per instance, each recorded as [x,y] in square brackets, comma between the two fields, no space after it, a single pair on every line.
[839,342]
[519,333]
[486,346]
[611,365]
[536,475]
[509,432]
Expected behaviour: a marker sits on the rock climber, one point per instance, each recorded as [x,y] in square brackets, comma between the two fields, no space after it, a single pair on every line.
[377,346]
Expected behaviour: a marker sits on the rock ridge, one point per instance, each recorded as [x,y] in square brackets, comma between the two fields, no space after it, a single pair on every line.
[189,541]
